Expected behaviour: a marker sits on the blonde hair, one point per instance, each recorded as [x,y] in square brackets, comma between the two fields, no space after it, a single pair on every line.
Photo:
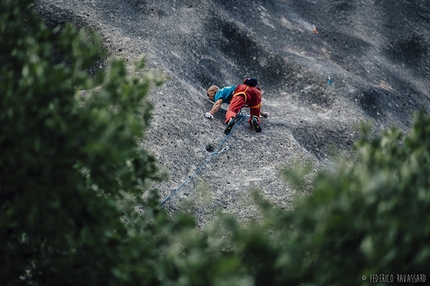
[213,87]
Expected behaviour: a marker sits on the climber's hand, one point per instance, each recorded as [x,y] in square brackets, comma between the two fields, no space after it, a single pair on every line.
[208,115]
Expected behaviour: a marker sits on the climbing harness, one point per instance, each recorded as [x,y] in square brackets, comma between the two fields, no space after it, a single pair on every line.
[246,98]
[242,93]
[205,162]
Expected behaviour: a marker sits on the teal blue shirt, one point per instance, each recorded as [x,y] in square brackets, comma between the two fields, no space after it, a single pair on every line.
[225,93]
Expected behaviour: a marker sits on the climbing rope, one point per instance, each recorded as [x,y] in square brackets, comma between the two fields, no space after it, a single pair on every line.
[205,162]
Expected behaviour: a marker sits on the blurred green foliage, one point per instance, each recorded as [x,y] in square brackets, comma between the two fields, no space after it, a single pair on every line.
[370,215]
[70,160]
[72,178]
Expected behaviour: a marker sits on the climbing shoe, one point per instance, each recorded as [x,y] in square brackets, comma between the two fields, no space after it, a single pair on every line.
[255,124]
[230,125]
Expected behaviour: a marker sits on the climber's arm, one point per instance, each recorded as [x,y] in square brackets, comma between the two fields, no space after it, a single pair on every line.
[215,108]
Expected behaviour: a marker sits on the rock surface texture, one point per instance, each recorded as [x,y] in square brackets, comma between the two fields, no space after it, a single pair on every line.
[377,53]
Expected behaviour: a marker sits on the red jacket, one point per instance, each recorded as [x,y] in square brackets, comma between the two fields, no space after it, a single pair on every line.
[252,94]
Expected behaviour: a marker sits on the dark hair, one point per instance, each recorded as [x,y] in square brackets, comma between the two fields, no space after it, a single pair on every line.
[251,81]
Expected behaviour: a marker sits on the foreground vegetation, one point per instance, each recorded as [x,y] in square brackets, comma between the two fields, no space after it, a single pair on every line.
[72,178]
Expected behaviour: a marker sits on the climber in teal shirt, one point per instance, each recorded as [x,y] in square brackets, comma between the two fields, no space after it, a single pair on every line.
[219,96]
[225,93]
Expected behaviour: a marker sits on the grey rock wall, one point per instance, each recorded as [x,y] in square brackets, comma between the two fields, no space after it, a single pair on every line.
[377,53]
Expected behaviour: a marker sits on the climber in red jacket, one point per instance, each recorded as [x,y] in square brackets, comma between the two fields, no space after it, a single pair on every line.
[248,95]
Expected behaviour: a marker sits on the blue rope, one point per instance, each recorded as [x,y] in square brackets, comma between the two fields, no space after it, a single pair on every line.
[207,161]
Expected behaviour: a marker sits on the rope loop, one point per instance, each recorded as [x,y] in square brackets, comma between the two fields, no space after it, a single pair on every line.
[226,148]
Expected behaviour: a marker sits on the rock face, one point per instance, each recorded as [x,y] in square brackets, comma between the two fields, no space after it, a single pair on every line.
[377,53]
